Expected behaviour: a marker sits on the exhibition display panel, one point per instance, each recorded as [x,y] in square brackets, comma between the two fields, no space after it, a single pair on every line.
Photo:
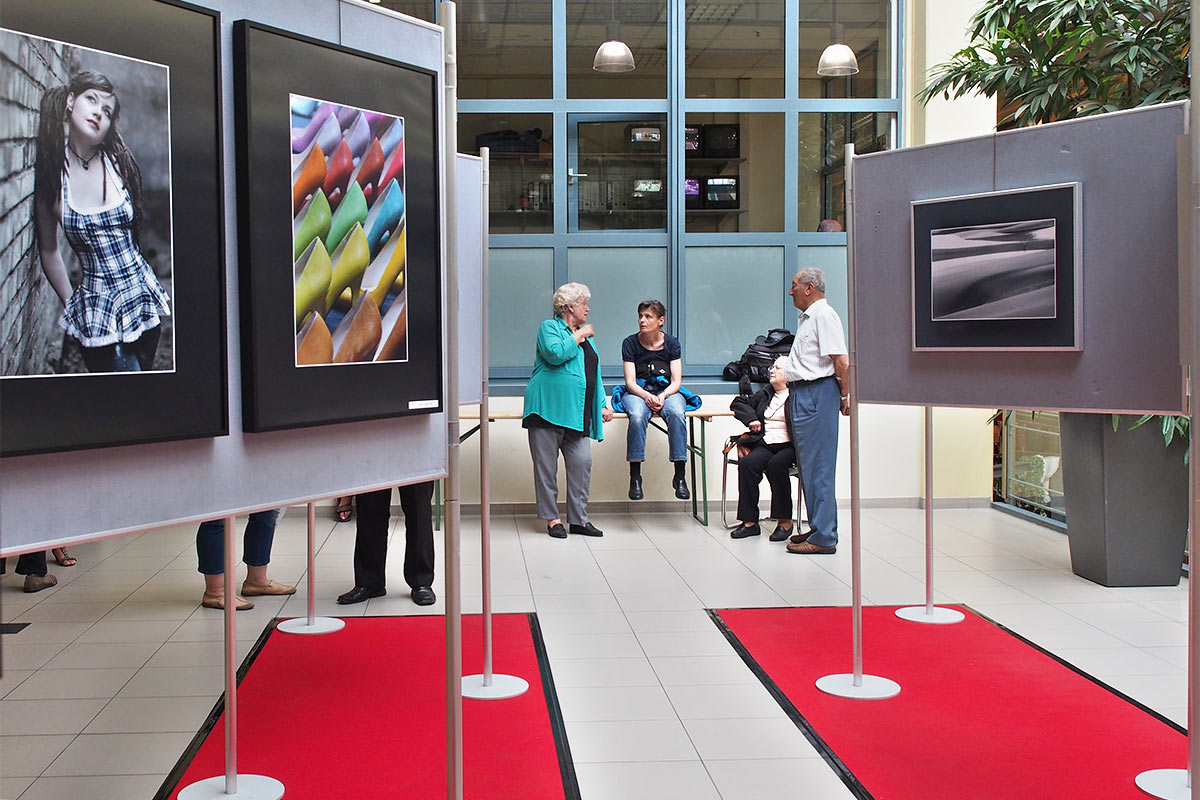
[118,269]
[338,204]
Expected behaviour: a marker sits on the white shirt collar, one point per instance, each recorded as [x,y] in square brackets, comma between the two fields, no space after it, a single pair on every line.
[808,312]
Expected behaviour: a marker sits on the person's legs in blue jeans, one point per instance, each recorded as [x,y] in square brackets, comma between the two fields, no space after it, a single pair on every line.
[256,553]
[256,541]
[674,411]
[639,420]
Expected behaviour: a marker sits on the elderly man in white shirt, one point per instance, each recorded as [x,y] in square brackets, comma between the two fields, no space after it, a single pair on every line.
[818,373]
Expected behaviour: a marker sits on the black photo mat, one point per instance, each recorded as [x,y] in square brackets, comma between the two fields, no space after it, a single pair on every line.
[48,413]
[998,271]
[271,66]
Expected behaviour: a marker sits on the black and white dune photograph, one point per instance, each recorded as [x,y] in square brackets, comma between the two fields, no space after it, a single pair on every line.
[1000,271]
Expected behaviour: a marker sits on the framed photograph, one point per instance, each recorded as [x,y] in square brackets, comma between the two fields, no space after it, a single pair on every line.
[339,232]
[998,271]
[114,251]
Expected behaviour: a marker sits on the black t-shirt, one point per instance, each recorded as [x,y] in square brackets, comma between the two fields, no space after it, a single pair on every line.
[651,363]
[590,360]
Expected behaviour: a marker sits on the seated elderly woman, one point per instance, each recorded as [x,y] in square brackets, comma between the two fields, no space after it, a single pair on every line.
[767,448]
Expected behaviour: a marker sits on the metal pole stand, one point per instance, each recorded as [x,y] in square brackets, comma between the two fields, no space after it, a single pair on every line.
[487,686]
[855,685]
[928,613]
[232,785]
[312,623]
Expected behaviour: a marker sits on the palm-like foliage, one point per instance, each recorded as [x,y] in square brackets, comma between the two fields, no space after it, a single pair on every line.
[1057,59]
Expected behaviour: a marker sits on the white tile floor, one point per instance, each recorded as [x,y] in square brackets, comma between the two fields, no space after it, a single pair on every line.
[103,691]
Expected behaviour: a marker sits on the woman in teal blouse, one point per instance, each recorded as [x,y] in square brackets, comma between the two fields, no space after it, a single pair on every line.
[564,407]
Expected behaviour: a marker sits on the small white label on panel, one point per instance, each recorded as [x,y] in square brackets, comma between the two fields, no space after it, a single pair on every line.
[422,404]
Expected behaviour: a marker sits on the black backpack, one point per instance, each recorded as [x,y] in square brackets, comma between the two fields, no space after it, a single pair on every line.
[755,363]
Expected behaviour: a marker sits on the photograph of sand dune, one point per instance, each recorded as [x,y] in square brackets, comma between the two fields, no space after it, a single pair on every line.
[999,271]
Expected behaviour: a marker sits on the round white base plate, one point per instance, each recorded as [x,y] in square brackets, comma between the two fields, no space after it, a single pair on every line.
[249,787]
[873,687]
[502,688]
[320,625]
[1170,784]
[939,616]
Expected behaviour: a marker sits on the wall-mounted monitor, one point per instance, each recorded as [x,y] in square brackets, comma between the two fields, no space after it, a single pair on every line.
[722,141]
[691,141]
[644,137]
[692,197]
[721,192]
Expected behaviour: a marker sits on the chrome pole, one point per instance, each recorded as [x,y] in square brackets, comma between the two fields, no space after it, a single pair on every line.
[312,561]
[485,484]
[855,524]
[230,665]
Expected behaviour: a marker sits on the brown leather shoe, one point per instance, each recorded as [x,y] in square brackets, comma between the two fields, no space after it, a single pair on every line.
[810,549]
[35,583]
[797,538]
[269,588]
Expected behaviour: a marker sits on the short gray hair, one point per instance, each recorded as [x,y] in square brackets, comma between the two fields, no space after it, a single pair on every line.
[780,362]
[814,276]
[568,295]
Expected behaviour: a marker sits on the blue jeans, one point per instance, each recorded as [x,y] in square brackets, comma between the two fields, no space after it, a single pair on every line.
[812,412]
[673,411]
[256,542]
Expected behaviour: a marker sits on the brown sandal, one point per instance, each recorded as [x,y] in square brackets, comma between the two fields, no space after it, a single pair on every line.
[63,558]
[217,601]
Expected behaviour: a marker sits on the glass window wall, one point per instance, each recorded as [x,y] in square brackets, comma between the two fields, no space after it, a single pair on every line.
[733,181]
[821,174]
[642,25]
[734,49]
[622,175]
[505,48]
[864,25]
[619,279]
[519,298]
[522,168]
[731,295]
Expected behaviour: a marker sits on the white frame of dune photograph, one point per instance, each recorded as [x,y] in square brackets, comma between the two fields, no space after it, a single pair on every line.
[998,270]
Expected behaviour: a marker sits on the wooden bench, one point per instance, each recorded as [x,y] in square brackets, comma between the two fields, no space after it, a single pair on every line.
[697,447]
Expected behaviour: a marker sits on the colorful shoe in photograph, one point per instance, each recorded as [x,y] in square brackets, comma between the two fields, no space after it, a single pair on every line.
[314,345]
[312,222]
[366,174]
[358,135]
[394,346]
[313,271]
[346,115]
[349,260]
[392,136]
[384,217]
[303,140]
[358,334]
[337,172]
[393,169]
[386,267]
[308,177]
[351,212]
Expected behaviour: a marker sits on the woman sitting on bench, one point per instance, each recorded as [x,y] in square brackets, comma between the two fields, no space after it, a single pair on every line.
[767,448]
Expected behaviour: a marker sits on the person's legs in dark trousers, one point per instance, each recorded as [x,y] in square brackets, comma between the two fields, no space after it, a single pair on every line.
[33,567]
[777,470]
[415,501]
[370,539]
[813,411]
[750,472]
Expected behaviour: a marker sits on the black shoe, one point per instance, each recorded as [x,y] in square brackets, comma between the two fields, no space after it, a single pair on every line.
[742,532]
[635,487]
[681,490]
[358,594]
[587,529]
[780,533]
[423,596]
[557,531]
[797,538]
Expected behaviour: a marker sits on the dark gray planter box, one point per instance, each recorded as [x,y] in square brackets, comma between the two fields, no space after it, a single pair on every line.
[1126,501]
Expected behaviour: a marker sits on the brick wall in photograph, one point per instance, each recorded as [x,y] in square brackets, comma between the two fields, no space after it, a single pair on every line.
[30,339]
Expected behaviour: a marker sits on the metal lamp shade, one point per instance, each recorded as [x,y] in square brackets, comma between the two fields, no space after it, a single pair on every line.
[836,61]
[613,55]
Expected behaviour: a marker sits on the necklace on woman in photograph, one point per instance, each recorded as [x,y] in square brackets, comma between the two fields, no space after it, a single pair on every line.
[83,162]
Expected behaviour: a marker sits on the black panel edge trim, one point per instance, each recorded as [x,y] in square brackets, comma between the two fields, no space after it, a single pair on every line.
[171,782]
[810,733]
[565,763]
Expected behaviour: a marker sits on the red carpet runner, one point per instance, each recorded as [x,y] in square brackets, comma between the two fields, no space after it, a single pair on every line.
[981,714]
[362,714]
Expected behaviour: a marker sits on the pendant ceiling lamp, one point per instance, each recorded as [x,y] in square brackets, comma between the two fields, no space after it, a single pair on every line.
[838,59]
[613,55]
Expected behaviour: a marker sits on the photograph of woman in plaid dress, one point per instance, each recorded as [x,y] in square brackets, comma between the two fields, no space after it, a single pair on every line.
[104,292]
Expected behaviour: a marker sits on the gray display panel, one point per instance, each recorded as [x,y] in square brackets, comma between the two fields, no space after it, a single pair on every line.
[1129,355]
[68,497]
